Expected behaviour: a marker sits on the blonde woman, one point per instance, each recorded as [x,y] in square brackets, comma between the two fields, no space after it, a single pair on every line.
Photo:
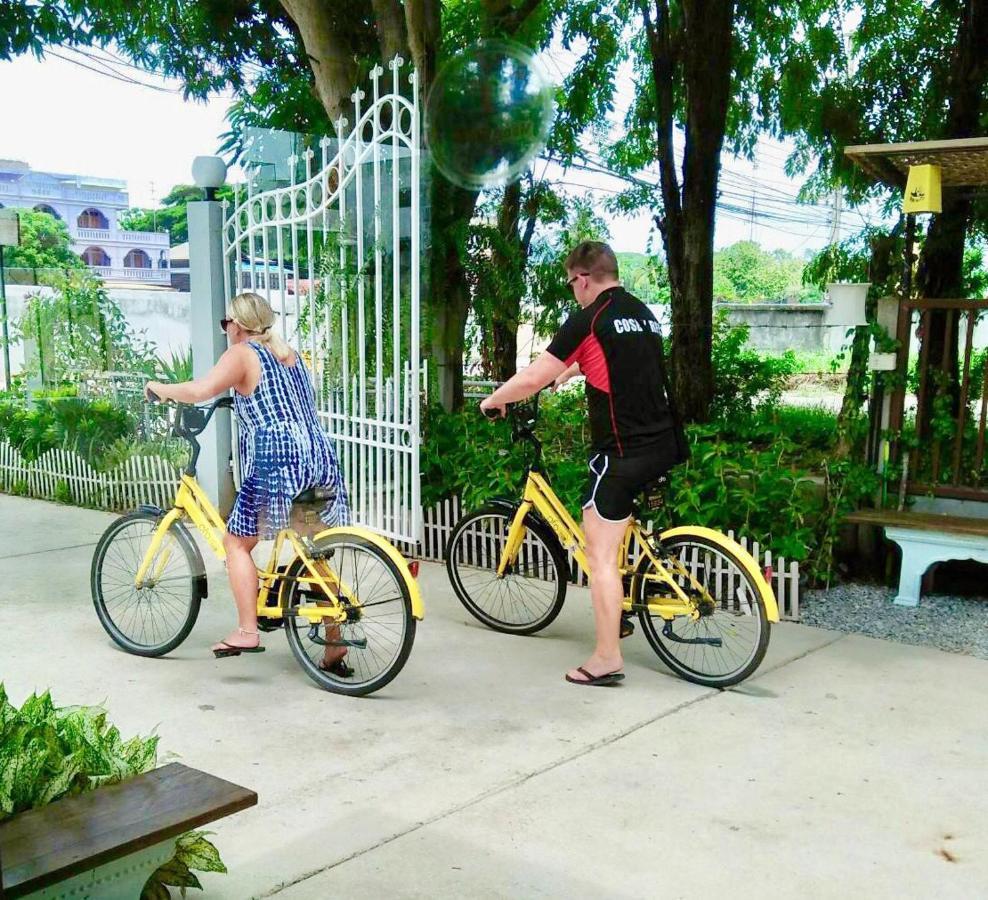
[283,452]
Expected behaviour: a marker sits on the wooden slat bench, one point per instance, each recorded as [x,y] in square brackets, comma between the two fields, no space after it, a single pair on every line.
[73,837]
[925,539]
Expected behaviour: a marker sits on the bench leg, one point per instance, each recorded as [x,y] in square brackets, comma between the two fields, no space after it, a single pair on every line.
[915,562]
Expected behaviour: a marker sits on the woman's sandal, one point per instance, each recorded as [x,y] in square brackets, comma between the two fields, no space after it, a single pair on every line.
[596,680]
[338,668]
[226,649]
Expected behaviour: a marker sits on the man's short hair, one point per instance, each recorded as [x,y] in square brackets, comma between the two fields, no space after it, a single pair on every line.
[594,257]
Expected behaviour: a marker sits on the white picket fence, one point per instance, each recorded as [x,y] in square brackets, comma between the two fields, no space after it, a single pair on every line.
[439,521]
[66,476]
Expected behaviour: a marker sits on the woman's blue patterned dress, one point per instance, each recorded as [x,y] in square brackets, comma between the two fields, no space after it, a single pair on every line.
[283,451]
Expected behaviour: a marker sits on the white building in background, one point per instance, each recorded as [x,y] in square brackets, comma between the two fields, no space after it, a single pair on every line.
[90,208]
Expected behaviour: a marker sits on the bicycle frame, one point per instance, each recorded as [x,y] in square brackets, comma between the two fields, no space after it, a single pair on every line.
[191,501]
[666,571]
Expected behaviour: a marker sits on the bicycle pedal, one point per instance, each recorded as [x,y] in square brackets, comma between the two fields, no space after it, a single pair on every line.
[269,625]
[359,643]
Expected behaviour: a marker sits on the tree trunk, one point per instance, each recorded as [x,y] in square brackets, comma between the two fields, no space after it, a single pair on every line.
[940,272]
[448,291]
[501,335]
[330,59]
[700,56]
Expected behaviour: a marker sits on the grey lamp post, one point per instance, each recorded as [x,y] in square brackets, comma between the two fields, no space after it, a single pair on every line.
[208,307]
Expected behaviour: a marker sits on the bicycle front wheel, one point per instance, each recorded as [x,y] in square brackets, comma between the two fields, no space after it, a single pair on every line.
[531,592]
[378,633]
[728,639]
[154,618]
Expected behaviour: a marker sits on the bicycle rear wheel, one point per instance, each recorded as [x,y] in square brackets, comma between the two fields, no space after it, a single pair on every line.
[529,595]
[153,619]
[729,639]
[379,630]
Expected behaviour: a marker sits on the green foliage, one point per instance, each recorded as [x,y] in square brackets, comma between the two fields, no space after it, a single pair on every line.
[177,367]
[91,428]
[77,328]
[765,474]
[172,215]
[193,851]
[745,378]
[45,244]
[744,271]
[49,752]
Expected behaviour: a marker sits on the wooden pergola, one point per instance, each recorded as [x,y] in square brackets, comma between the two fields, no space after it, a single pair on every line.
[963,165]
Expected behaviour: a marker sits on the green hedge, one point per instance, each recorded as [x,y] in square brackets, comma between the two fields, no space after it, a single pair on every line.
[766,475]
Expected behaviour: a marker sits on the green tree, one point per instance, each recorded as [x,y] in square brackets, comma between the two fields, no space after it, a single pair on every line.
[172,215]
[716,74]
[45,244]
[294,64]
[912,70]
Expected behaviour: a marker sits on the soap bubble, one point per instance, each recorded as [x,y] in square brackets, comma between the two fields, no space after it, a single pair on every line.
[488,115]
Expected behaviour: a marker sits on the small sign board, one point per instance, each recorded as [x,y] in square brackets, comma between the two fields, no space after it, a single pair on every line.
[10,228]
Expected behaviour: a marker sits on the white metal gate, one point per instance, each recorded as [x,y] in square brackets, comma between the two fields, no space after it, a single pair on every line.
[336,253]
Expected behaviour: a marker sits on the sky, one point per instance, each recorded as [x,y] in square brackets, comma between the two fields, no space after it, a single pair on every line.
[60,116]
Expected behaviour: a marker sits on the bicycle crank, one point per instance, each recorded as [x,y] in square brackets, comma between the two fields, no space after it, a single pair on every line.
[359,643]
[667,632]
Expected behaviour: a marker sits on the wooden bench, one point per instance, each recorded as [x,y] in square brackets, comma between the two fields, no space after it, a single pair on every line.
[78,842]
[925,539]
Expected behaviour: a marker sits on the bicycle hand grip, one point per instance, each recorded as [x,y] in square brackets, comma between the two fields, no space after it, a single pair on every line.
[153,397]
[492,413]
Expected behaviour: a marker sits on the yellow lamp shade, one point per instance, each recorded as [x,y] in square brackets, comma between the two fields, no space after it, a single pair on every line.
[923,190]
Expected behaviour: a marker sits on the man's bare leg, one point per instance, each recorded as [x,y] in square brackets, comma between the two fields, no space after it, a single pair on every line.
[606,591]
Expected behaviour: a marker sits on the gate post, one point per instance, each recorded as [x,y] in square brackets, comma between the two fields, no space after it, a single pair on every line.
[208,306]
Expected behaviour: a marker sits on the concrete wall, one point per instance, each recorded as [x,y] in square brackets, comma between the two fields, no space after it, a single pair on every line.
[777,327]
[162,316]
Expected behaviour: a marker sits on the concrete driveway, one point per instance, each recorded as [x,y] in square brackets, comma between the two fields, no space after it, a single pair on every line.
[848,767]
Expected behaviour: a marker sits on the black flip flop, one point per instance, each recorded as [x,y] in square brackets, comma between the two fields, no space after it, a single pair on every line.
[596,680]
[339,668]
[226,650]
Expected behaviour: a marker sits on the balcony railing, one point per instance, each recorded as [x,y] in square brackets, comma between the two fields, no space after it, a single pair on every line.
[150,275]
[120,236]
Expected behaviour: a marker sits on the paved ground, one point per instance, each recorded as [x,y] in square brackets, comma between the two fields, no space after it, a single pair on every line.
[848,767]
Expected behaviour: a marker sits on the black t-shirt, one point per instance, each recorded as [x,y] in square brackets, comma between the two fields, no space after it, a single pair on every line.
[618,344]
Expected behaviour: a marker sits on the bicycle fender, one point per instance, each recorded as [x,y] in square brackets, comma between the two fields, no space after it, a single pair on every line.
[418,609]
[747,560]
[511,507]
[201,582]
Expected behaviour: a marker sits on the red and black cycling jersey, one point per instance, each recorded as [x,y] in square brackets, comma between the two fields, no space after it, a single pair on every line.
[618,344]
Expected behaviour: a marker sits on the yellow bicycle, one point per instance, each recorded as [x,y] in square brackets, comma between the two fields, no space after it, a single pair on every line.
[704,605]
[343,588]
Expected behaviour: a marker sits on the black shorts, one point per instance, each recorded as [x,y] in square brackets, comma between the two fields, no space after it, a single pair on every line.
[615,481]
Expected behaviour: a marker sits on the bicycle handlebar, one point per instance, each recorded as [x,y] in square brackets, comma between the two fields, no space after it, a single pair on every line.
[191,420]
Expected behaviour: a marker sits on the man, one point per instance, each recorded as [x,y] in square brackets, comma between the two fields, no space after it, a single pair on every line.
[615,342]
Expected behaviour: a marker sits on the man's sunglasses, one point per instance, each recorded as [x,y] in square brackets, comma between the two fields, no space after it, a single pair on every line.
[577,275]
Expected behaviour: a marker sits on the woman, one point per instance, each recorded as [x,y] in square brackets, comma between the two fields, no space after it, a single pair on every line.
[283,452]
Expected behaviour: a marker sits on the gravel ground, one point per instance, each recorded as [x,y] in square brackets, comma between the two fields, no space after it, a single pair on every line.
[956,624]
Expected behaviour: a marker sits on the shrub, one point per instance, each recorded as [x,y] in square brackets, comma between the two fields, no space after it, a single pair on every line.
[766,475]
[47,753]
[62,420]
[743,378]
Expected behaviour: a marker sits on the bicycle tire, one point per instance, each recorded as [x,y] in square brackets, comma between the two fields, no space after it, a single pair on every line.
[749,607]
[184,604]
[399,656]
[459,552]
